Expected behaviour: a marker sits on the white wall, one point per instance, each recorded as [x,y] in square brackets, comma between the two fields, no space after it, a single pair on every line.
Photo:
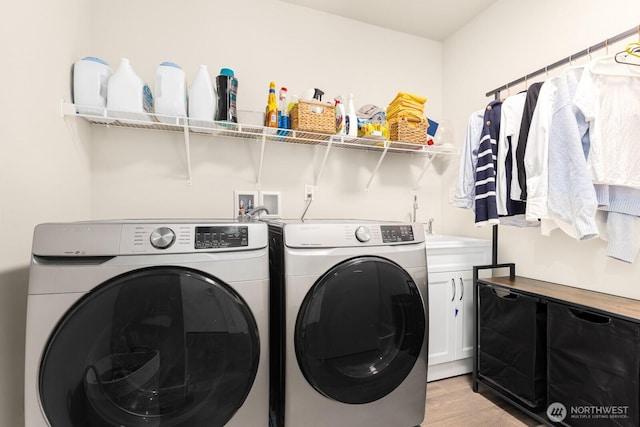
[507,41]
[45,173]
[137,173]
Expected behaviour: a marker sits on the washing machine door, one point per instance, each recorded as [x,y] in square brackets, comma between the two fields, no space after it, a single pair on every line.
[360,330]
[162,346]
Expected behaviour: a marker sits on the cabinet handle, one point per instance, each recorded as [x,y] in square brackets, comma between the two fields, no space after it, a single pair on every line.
[505,295]
[453,288]
[461,289]
[586,316]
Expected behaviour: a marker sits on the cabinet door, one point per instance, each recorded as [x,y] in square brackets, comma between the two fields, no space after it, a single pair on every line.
[442,294]
[464,316]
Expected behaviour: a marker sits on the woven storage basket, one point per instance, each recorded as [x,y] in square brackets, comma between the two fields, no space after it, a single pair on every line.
[313,116]
[403,130]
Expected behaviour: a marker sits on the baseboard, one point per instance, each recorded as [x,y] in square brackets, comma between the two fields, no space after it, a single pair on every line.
[449,369]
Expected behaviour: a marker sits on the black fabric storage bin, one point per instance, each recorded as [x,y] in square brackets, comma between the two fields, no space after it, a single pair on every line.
[512,350]
[593,362]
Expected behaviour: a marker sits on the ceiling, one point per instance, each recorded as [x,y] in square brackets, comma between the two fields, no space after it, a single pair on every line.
[431,19]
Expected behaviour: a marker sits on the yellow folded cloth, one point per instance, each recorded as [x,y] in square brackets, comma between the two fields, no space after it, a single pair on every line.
[411,97]
[395,111]
[406,103]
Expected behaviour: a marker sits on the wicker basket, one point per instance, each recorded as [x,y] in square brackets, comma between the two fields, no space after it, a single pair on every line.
[313,116]
[403,130]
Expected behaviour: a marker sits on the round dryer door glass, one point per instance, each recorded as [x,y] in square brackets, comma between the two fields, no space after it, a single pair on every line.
[163,346]
[360,330]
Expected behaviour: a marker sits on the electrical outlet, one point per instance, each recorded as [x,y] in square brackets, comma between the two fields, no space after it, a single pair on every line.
[309,192]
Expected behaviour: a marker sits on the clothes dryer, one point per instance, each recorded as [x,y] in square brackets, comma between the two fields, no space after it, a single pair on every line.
[350,302]
[147,323]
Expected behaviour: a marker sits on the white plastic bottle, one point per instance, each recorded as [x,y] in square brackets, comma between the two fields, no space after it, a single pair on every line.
[340,116]
[351,120]
[129,99]
[202,101]
[171,93]
[90,81]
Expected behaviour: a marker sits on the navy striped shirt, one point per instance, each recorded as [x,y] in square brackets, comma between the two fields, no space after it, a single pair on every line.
[486,206]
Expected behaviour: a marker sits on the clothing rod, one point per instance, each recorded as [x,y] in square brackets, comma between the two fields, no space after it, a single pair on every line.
[568,59]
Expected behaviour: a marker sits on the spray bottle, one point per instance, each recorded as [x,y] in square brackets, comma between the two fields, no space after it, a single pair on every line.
[351,119]
[283,114]
[340,116]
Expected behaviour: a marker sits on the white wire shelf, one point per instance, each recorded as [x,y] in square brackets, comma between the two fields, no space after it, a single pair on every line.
[104,117]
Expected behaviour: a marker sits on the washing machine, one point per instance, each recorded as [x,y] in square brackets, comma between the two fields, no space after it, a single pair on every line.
[147,323]
[350,302]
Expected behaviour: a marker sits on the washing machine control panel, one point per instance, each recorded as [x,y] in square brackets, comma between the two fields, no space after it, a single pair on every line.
[397,233]
[221,237]
[175,238]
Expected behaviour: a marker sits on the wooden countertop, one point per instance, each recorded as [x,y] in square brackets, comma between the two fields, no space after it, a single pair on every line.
[619,306]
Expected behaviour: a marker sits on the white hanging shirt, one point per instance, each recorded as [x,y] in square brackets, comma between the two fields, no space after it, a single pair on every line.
[609,97]
[465,193]
[510,119]
[536,157]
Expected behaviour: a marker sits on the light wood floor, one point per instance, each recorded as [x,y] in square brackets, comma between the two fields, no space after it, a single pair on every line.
[451,402]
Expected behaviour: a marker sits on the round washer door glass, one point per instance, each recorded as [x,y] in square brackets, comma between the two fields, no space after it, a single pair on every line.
[163,346]
[360,330]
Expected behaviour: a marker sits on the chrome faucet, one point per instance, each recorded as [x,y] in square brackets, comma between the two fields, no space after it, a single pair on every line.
[254,214]
[430,226]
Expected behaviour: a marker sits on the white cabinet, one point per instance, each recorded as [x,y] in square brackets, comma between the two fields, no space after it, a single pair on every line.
[450,261]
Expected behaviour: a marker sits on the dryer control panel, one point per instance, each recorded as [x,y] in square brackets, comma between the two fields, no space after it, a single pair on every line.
[332,234]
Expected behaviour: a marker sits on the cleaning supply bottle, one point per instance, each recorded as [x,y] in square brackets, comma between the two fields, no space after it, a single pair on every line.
[90,78]
[340,116]
[351,120]
[294,101]
[283,114]
[201,100]
[171,92]
[128,97]
[271,117]
[227,90]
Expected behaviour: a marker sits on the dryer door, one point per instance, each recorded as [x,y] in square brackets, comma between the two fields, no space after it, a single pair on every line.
[163,346]
[360,330]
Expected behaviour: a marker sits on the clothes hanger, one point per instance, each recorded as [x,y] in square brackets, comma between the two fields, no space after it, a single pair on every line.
[627,57]
[633,49]
[630,55]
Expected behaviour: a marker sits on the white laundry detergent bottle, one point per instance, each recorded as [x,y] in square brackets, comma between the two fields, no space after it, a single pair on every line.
[340,115]
[351,119]
[170,93]
[90,78]
[129,99]
[202,101]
